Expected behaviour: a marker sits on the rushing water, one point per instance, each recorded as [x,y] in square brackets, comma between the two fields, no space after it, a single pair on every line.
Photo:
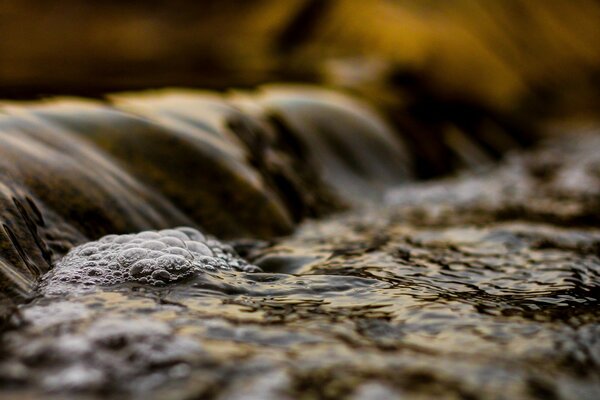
[482,286]
[238,165]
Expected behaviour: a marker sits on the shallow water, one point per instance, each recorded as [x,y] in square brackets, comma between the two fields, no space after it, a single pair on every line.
[483,286]
[241,164]
[429,312]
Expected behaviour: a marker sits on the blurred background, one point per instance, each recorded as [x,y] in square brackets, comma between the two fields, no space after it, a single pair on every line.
[538,56]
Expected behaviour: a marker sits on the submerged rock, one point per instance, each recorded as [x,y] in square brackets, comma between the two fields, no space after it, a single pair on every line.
[57,191]
[204,176]
[484,285]
[356,151]
[73,170]
[419,299]
[246,140]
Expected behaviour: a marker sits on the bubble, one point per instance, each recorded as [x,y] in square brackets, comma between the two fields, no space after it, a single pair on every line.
[192,233]
[108,238]
[180,252]
[198,247]
[161,275]
[173,262]
[128,257]
[122,238]
[173,242]
[153,245]
[142,268]
[88,251]
[155,253]
[148,258]
[148,235]
[173,233]
[90,264]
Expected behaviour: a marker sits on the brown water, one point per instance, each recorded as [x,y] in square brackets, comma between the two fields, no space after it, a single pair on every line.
[249,164]
[481,286]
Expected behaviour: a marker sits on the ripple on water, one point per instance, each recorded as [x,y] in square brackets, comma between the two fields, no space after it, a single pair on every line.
[469,310]
[412,302]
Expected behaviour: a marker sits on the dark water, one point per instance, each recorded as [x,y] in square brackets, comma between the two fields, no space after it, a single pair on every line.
[481,286]
[245,164]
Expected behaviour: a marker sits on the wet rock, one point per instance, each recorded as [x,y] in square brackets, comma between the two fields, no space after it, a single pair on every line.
[204,174]
[76,181]
[76,170]
[558,184]
[248,138]
[357,153]
[56,191]
[407,300]
[478,286]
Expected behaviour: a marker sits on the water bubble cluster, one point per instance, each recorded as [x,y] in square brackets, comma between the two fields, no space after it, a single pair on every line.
[155,258]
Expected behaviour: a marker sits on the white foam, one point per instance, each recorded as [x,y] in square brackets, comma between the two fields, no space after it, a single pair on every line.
[156,258]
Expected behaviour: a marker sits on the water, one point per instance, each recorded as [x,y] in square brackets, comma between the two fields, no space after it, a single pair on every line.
[479,286]
[251,164]
[403,300]
[426,311]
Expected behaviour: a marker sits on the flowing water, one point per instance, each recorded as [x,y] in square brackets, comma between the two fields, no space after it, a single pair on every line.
[480,286]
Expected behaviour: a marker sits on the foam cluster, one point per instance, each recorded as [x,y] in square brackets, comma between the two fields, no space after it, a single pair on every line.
[155,258]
